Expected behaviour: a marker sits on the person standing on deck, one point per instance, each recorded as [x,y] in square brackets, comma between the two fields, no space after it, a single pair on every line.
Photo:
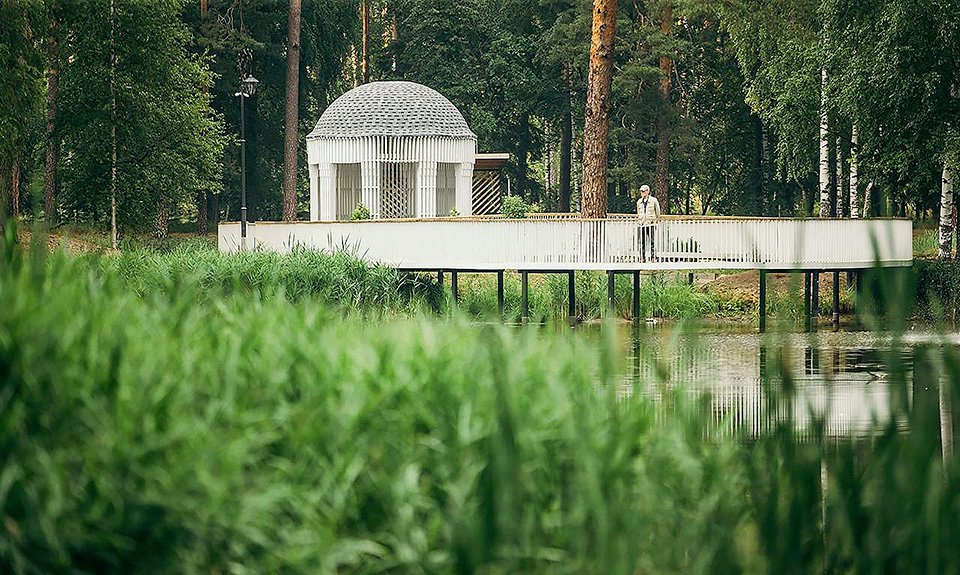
[648,212]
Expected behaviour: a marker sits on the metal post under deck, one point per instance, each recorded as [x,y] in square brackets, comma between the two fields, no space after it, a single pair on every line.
[763,301]
[836,300]
[500,293]
[636,297]
[571,298]
[815,302]
[440,277]
[610,289]
[454,287]
[524,302]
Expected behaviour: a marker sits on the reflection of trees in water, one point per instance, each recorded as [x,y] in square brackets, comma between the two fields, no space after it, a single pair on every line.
[751,384]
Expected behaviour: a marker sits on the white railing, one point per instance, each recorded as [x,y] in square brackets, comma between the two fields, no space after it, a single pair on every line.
[613,244]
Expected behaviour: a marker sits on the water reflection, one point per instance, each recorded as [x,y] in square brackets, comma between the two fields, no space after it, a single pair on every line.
[852,380]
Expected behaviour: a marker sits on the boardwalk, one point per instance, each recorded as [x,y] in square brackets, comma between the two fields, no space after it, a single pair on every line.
[555,244]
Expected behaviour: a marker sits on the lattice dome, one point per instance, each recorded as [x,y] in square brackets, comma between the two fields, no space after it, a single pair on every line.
[391,109]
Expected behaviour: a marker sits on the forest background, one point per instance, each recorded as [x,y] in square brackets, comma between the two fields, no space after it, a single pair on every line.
[733,107]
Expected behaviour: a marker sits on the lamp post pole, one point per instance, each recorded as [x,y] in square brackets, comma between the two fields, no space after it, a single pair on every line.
[243,176]
[247,88]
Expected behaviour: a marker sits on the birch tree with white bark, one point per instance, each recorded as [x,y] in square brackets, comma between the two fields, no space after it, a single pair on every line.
[946,214]
[854,193]
[824,149]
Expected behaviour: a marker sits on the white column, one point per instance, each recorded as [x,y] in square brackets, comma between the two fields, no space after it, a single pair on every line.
[427,190]
[314,192]
[465,189]
[370,187]
[327,191]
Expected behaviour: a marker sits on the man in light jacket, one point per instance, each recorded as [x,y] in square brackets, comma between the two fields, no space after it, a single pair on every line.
[648,212]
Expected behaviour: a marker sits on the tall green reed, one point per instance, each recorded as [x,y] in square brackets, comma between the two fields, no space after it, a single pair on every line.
[188,425]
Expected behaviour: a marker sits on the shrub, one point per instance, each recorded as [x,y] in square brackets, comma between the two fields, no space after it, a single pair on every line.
[361,212]
[514,207]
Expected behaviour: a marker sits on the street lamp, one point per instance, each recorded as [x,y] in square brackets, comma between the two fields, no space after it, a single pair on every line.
[247,88]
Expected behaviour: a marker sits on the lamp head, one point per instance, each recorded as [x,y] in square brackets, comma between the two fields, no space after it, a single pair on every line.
[249,86]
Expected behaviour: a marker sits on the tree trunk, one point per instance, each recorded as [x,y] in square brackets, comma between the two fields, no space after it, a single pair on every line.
[523,157]
[203,215]
[946,215]
[3,200]
[663,124]
[291,114]
[956,230]
[52,138]
[162,225]
[201,196]
[596,125]
[824,149]
[547,163]
[854,193]
[840,200]
[15,172]
[365,24]
[867,200]
[759,206]
[770,198]
[566,140]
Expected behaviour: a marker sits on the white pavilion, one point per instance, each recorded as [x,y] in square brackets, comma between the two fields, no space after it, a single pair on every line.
[400,149]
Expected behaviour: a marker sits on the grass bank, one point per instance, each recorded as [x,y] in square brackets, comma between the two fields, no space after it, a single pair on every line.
[155,431]
[339,280]
[731,297]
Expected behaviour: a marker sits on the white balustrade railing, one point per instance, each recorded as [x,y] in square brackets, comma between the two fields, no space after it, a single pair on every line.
[612,244]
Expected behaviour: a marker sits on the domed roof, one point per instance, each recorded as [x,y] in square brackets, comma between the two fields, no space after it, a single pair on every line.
[391,109]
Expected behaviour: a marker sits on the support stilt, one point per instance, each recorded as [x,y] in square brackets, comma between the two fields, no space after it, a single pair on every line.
[524,302]
[571,298]
[610,289]
[454,287]
[440,277]
[636,297]
[500,293]
[815,302]
[836,301]
[807,297]
[763,301]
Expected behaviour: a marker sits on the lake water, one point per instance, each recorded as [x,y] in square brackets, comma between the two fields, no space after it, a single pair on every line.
[850,378]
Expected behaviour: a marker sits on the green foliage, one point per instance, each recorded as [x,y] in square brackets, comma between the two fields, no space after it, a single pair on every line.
[169,142]
[454,213]
[926,243]
[339,280]
[250,37]
[22,63]
[514,207]
[661,296]
[938,286]
[173,431]
[361,212]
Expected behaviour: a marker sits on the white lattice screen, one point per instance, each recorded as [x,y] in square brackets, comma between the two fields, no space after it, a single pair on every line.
[348,189]
[486,192]
[446,189]
[398,190]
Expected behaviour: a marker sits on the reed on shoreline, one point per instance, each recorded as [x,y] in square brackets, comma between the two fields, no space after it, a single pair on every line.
[157,430]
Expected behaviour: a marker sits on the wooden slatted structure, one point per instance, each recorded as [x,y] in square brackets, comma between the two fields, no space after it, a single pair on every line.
[488,183]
